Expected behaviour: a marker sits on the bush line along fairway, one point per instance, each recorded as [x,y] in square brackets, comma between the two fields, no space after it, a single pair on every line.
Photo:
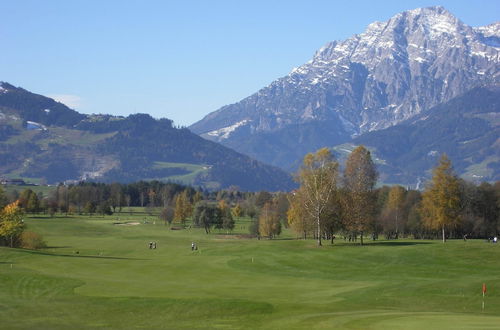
[95,274]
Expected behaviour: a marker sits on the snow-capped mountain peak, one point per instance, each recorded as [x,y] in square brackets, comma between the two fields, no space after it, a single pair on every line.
[390,72]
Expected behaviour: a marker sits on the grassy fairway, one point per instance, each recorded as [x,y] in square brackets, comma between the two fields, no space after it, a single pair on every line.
[115,281]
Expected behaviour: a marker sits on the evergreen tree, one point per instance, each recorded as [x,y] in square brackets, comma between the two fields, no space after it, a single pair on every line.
[33,204]
[3,198]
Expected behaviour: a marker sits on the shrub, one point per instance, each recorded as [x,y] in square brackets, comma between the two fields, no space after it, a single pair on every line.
[31,240]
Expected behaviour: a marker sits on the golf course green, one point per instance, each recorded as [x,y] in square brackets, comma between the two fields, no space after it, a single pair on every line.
[96,273]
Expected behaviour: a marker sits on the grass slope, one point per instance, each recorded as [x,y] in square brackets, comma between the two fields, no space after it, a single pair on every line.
[193,171]
[117,282]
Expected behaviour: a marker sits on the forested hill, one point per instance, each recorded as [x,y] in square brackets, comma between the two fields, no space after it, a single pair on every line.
[43,140]
[467,128]
[37,108]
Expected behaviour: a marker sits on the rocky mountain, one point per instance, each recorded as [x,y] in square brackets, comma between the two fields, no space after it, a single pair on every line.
[43,140]
[390,73]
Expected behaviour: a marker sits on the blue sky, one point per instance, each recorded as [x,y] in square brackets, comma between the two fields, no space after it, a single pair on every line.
[179,59]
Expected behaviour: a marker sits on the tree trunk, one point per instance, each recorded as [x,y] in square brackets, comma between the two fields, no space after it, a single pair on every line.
[319,231]
[397,227]
[361,237]
[444,237]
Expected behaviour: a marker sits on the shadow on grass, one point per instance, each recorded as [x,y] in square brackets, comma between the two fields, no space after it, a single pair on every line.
[75,255]
[396,243]
[284,239]
[381,243]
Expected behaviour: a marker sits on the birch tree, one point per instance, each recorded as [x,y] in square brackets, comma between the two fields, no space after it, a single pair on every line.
[318,178]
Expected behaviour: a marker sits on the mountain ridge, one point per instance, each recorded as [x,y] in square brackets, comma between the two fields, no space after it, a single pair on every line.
[390,73]
[41,138]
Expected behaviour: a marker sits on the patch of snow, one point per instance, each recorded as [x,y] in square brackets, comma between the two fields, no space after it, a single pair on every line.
[443,27]
[223,133]
[491,30]
[481,54]
[385,44]
[34,126]
[480,72]
[419,60]
[432,153]
[47,111]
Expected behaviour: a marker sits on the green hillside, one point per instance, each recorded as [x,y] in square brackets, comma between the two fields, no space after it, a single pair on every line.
[44,141]
[466,129]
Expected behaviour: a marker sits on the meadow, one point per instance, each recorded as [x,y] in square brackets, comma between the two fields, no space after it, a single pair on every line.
[99,274]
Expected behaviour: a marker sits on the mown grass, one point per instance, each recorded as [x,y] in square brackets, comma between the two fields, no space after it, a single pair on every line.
[95,274]
[188,178]
[45,190]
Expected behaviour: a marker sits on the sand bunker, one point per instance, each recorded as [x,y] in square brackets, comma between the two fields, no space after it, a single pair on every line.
[127,223]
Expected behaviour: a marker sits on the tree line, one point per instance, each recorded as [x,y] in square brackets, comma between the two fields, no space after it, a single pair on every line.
[330,201]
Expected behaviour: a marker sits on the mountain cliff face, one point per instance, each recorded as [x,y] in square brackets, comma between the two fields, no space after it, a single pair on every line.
[388,74]
[43,140]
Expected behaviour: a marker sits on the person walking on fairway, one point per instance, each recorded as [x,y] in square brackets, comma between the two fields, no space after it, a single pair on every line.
[192,246]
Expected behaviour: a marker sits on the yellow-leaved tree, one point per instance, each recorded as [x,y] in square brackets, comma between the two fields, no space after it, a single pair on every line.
[237,211]
[395,202]
[300,222]
[318,178]
[441,199]
[183,207]
[11,223]
[269,221]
